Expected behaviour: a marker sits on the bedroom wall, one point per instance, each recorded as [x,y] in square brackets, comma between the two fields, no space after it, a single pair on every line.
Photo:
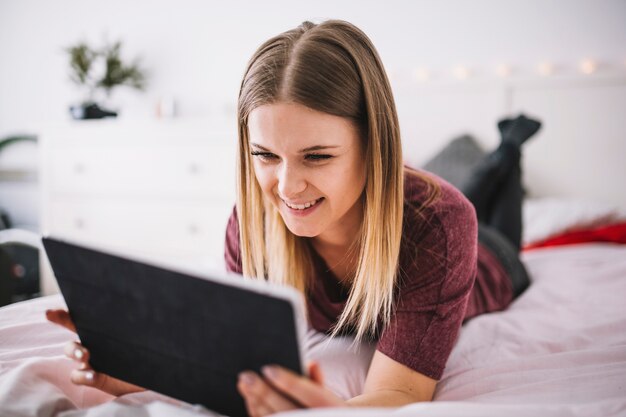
[196,51]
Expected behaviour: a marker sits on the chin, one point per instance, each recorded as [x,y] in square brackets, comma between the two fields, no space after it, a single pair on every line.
[302,231]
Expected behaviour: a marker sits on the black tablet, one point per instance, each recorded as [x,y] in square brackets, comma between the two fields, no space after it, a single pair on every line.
[185,335]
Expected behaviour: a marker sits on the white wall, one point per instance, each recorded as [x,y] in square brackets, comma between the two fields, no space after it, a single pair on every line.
[196,50]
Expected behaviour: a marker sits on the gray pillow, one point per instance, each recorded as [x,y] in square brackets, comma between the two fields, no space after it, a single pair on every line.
[456,160]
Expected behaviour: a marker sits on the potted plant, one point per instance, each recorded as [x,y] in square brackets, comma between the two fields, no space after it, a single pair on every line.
[100,70]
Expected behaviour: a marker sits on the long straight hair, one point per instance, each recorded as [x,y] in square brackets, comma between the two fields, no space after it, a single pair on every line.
[331,67]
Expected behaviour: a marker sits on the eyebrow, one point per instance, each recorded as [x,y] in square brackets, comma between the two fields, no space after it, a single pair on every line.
[309,149]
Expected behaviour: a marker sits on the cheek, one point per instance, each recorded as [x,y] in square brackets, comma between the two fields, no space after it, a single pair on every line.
[266,178]
[353,180]
[340,184]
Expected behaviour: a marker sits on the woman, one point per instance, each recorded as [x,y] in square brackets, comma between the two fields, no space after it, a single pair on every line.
[382,252]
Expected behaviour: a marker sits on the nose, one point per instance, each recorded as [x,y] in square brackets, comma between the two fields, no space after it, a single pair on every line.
[291,181]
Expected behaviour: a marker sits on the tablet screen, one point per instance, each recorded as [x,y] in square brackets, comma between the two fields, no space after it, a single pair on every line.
[184,336]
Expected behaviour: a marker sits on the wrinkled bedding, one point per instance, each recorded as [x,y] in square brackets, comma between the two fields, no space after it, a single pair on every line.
[559,350]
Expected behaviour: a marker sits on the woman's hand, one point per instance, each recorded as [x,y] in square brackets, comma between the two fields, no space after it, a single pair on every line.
[281,389]
[85,375]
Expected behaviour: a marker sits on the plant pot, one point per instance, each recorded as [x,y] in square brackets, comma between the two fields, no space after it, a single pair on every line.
[87,111]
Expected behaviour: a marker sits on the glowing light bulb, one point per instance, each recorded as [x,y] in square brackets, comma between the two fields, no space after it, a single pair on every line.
[588,66]
[461,72]
[503,70]
[545,68]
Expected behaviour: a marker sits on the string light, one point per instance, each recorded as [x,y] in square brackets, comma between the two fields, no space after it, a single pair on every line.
[461,72]
[545,68]
[503,70]
[588,66]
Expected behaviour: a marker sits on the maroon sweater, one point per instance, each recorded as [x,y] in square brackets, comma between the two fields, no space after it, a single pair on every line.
[444,278]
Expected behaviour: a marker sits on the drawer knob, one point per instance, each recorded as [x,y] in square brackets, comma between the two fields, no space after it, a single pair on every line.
[79,223]
[193,229]
[79,168]
[194,169]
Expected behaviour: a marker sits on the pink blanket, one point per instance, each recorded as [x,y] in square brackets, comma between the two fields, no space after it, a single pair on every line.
[559,350]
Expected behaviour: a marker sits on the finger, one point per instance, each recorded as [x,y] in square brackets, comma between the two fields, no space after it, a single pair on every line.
[87,377]
[259,411]
[102,382]
[315,373]
[62,318]
[261,395]
[255,409]
[96,380]
[253,406]
[76,351]
[300,389]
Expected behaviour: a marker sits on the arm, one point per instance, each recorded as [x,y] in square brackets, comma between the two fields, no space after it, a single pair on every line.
[439,267]
[388,384]
[391,384]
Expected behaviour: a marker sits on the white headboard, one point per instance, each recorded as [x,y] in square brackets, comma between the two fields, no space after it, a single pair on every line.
[579,153]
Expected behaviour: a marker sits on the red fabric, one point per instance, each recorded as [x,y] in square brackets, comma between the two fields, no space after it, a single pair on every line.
[615,233]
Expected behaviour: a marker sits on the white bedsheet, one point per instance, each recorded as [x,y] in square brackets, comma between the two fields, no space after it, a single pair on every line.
[559,350]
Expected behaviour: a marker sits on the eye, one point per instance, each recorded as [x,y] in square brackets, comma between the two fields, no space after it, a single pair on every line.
[264,156]
[317,157]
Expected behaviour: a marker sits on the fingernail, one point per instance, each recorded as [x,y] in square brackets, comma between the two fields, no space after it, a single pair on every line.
[78,354]
[247,378]
[270,371]
[89,375]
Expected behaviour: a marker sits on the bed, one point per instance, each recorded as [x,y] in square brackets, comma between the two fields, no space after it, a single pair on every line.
[558,350]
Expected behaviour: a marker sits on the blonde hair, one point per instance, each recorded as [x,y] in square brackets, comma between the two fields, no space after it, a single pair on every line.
[331,67]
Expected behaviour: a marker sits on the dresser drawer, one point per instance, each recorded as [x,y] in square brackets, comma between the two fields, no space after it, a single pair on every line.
[157,190]
[169,230]
[198,171]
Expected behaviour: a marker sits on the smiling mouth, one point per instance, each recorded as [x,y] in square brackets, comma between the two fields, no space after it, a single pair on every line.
[303,206]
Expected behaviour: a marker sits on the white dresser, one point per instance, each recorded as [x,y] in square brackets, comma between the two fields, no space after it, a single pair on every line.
[160,190]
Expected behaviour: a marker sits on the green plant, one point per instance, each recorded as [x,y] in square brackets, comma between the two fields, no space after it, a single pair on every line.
[4,142]
[84,61]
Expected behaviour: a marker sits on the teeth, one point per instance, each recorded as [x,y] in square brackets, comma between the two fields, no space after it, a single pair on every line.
[302,206]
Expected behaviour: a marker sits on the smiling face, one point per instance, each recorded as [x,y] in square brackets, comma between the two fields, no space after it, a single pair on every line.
[310,166]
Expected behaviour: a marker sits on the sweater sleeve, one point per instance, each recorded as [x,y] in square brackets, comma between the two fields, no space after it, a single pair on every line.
[436,275]
[232,251]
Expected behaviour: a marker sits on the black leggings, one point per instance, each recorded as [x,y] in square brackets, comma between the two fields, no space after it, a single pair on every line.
[495,189]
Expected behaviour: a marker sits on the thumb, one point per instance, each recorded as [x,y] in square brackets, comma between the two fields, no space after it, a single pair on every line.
[87,376]
[62,318]
[315,373]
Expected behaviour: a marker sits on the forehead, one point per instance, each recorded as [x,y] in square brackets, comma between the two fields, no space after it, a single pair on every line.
[287,125]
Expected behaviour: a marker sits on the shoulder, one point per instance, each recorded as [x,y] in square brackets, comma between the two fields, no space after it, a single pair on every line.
[232,229]
[436,272]
[233,221]
[434,197]
[440,230]
[232,251]
[432,202]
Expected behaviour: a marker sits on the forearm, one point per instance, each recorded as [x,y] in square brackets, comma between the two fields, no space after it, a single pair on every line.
[383,398]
